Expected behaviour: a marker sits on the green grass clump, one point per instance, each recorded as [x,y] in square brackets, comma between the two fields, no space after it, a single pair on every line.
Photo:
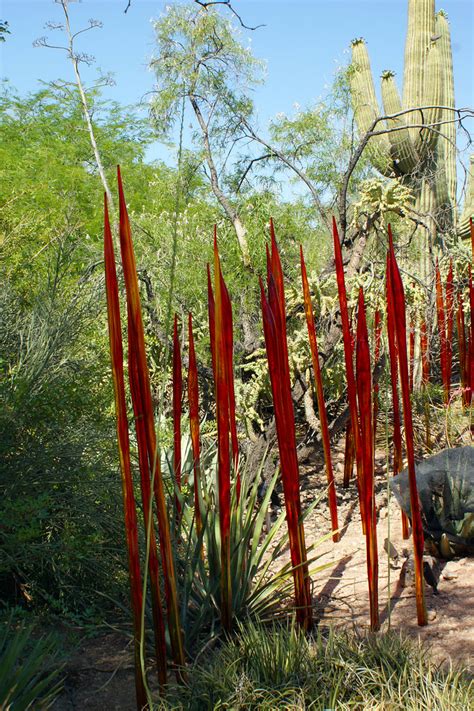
[278,667]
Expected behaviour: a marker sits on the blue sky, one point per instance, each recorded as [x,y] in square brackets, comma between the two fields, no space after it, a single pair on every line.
[303,42]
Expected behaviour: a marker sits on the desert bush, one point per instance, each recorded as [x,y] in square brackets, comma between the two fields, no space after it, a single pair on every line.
[61,518]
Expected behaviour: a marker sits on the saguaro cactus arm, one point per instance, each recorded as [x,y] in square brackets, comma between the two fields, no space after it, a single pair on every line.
[366,108]
[403,151]
[447,147]
[433,95]
[420,30]
[468,210]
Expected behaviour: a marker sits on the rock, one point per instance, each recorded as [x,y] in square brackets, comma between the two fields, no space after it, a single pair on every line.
[431,614]
[390,549]
[383,513]
[429,576]
[450,571]
[407,573]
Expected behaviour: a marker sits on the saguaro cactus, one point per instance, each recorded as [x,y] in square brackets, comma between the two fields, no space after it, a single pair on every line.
[422,158]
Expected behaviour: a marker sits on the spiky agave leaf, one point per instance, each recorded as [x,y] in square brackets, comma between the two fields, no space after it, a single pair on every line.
[260,586]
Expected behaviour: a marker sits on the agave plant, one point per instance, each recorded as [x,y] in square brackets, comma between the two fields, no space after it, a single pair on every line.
[28,677]
[261,586]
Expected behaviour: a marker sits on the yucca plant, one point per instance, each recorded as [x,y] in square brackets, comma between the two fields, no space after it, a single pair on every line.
[29,670]
[260,584]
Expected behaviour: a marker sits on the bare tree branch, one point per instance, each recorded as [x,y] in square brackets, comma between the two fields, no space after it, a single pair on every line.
[284,159]
[228,4]
[230,211]
[250,165]
[206,5]
[459,116]
[75,60]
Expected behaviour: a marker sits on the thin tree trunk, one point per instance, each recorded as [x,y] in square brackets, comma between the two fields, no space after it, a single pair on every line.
[85,106]
[231,213]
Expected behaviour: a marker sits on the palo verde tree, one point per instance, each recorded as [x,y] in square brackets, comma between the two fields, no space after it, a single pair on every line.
[201,65]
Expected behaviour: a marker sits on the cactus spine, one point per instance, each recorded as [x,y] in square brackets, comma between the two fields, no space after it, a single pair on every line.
[422,158]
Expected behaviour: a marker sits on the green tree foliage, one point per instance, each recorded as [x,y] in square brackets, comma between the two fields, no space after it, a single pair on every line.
[61,520]
[199,56]
[3,30]
[48,180]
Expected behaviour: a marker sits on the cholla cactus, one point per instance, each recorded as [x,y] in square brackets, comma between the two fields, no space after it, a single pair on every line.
[424,159]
